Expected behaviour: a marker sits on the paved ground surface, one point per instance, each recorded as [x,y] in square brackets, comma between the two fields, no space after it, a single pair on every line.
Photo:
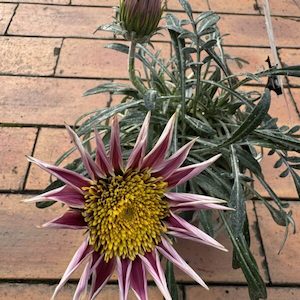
[48,57]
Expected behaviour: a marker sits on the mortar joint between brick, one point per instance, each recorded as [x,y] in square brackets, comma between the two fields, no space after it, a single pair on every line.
[11,19]
[32,153]
[260,240]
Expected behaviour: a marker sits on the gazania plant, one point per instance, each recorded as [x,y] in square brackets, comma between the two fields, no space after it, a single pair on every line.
[175,159]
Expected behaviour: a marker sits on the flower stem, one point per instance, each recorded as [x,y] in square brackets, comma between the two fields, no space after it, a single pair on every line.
[131,68]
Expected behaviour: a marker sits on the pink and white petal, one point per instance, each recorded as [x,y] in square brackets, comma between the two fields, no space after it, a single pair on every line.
[152,263]
[192,206]
[187,197]
[177,224]
[71,219]
[137,155]
[155,157]
[115,153]
[81,254]
[124,267]
[102,159]
[138,279]
[69,177]
[101,274]
[87,160]
[167,250]
[183,174]
[185,201]
[175,161]
[83,282]
[65,194]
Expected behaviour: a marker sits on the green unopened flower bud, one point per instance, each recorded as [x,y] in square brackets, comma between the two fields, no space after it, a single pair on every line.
[140,17]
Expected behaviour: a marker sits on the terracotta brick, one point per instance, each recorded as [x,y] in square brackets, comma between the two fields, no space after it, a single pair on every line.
[59,21]
[89,58]
[237,7]
[53,249]
[56,2]
[290,57]
[14,291]
[28,56]
[47,100]
[285,267]
[296,96]
[197,5]
[6,13]
[283,7]
[108,3]
[15,144]
[254,56]
[51,144]
[241,293]
[251,31]
[214,265]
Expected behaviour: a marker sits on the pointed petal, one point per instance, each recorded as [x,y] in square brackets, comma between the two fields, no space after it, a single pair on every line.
[152,263]
[158,153]
[124,267]
[102,273]
[69,177]
[87,160]
[175,161]
[138,279]
[65,194]
[192,206]
[138,152]
[188,197]
[185,201]
[102,160]
[81,254]
[115,146]
[83,282]
[170,253]
[71,219]
[177,224]
[182,175]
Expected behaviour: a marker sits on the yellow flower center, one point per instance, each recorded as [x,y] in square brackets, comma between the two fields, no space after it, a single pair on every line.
[124,214]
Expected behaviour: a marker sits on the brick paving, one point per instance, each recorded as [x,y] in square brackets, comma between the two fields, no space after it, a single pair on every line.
[49,55]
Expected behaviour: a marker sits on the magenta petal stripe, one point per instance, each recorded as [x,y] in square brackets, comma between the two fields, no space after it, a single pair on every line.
[115,153]
[83,282]
[138,279]
[124,267]
[183,174]
[71,219]
[102,273]
[167,250]
[177,224]
[155,157]
[102,160]
[66,194]
[87,160]
[69,177]
[175,161]
[81,254]
[138,152]
[152,263]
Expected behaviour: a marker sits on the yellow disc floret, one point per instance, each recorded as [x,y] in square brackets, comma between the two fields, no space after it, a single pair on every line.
[124,214]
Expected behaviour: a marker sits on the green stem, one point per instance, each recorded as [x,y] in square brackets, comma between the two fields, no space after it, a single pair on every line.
[131,69]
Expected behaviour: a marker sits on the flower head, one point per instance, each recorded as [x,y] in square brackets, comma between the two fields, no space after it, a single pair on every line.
[140,17]
[128,211]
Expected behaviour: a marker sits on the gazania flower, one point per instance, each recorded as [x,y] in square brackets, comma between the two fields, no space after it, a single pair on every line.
[129,212]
